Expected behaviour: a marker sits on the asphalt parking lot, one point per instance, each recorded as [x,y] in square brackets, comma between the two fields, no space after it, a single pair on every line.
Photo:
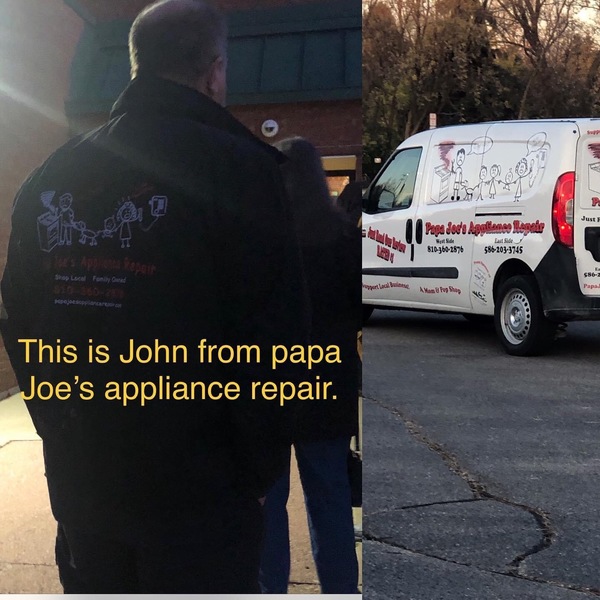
[481,470]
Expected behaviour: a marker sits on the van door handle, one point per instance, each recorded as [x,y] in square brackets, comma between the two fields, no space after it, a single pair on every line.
[409,231]
[419,231]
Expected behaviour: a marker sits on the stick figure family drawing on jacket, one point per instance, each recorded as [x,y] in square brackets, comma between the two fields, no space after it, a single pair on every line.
[56,225]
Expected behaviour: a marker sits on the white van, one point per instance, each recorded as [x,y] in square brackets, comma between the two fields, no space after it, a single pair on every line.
[493,219]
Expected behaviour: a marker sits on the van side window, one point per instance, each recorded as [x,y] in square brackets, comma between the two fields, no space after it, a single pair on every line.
[394,188]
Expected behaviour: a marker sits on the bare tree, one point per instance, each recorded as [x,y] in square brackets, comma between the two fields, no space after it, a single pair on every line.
[474,60]
[537,30]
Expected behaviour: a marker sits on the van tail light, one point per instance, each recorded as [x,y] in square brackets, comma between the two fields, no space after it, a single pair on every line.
[563,204]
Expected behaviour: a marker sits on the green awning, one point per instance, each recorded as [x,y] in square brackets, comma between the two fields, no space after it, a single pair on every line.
[292,54]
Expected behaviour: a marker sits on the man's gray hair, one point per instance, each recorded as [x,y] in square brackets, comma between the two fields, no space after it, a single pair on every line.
[177,38]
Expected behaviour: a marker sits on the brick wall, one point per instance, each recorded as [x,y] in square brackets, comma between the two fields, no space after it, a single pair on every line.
[37,42]
[334,127]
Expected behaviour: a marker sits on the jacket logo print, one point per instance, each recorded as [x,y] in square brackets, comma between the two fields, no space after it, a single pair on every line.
[58,226]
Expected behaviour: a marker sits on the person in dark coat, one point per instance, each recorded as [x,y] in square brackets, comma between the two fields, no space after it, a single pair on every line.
[330,246]
[156,490]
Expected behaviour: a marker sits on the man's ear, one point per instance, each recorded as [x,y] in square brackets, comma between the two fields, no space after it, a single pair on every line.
[215,80]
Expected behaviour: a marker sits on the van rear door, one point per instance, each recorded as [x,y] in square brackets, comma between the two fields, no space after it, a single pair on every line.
[586,210]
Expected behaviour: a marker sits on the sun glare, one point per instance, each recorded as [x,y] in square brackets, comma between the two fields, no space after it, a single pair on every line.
[31,103]
[588,15]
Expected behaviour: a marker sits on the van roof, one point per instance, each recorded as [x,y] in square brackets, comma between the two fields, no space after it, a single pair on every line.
[536,121]
[421,137]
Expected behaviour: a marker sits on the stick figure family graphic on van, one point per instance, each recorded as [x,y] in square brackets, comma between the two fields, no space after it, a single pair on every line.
[522,172]
[458,173]
[495,171]
[482,177]
[463,162]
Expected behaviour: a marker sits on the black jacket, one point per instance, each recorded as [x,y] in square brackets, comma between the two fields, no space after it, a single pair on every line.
[168,223]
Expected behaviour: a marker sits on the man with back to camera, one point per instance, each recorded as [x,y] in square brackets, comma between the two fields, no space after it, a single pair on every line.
[180,239]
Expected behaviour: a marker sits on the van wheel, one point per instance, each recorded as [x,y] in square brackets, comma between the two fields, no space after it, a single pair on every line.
[520,322]
[367,311]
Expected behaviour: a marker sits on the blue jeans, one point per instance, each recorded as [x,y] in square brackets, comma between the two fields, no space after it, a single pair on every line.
[323,472]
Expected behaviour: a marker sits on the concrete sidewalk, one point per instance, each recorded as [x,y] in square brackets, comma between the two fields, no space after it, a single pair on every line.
[27,527]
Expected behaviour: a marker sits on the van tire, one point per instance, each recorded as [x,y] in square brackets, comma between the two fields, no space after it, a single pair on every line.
[519,318]
[367,311]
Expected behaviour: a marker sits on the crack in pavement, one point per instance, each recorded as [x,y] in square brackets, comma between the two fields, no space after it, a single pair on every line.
[529,578]
[480,492]
[426,505]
